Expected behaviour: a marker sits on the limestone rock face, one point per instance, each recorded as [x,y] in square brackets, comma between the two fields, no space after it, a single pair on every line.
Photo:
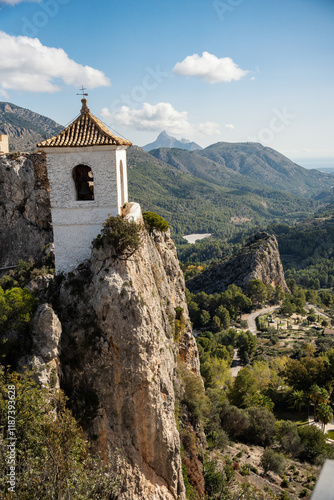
[25,214]
[44,356]
[258,259]
[46,332]
[119,350]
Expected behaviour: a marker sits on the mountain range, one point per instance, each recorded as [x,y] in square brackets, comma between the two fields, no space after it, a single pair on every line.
[24,127]
[166,141]
[246,165]
[195,205]
[223,189]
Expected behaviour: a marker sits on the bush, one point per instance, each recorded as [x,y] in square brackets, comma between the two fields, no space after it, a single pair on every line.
[154,221]
[16,308]
[287,434]
[213,478]
[234,421]
[122,235]
[285,482]
[244,471]
[261,428]
[53,454]
[222,440]
[313,444]
[218,439]
[273,461]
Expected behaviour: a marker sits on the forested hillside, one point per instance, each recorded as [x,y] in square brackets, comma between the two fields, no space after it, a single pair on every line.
[247,165]
[194,205]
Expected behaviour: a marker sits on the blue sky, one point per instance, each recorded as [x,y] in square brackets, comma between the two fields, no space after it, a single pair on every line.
[217,70]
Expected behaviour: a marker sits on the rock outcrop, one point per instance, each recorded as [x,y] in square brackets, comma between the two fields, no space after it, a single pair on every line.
[258,259]
[123,324]
[45,349]
[25,215]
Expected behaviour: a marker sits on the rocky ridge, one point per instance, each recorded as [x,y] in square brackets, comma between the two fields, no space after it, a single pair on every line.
[110,329]
[258,259]
[24,127]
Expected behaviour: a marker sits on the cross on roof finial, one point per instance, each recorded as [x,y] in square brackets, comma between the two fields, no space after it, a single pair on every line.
[82,91]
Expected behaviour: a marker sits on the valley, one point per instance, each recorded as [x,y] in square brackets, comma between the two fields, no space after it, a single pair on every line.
[263,253]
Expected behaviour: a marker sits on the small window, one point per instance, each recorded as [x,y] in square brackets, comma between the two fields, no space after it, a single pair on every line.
[84,182]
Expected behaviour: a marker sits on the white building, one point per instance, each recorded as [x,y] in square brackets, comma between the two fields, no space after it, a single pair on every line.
[4,147]
[87,172]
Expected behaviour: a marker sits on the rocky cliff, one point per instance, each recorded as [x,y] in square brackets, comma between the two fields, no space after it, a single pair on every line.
[25,214]
[114,330]
[258,259]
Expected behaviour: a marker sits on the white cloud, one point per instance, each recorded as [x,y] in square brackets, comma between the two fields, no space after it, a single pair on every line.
[26,64]
[229,125]
[161,116]
[209,68]
[14,2]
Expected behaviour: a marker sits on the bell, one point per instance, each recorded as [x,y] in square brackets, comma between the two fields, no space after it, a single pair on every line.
[85,189]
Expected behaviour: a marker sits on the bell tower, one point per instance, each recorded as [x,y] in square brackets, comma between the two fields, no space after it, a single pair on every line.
[87,172]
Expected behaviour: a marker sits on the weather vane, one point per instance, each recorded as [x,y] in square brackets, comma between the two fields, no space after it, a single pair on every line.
[82,91]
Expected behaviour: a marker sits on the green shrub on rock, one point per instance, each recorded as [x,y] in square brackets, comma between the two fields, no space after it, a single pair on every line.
[122,235]
[154,221]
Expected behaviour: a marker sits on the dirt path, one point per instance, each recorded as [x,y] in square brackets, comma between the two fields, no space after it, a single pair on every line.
[236,364]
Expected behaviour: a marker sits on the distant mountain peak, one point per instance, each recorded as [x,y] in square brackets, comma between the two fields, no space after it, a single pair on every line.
[165,140]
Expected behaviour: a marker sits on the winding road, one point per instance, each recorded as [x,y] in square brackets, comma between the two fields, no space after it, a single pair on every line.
[251,322]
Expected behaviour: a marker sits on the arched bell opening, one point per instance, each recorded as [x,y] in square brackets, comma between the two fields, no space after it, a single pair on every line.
[84,182]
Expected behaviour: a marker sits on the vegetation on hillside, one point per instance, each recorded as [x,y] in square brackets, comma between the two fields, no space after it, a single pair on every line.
[246,165]
[52,458]
[193,205]
[260,406]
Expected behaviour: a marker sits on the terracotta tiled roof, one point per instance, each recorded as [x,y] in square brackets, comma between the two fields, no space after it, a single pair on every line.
[86,130]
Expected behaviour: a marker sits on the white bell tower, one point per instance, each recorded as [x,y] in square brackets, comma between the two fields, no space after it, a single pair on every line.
[87,172]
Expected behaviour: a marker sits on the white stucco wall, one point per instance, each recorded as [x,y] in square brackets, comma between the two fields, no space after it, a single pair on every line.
[4,146]
[77,223]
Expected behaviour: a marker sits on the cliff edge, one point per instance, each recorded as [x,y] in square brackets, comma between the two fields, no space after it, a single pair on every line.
[124,324]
